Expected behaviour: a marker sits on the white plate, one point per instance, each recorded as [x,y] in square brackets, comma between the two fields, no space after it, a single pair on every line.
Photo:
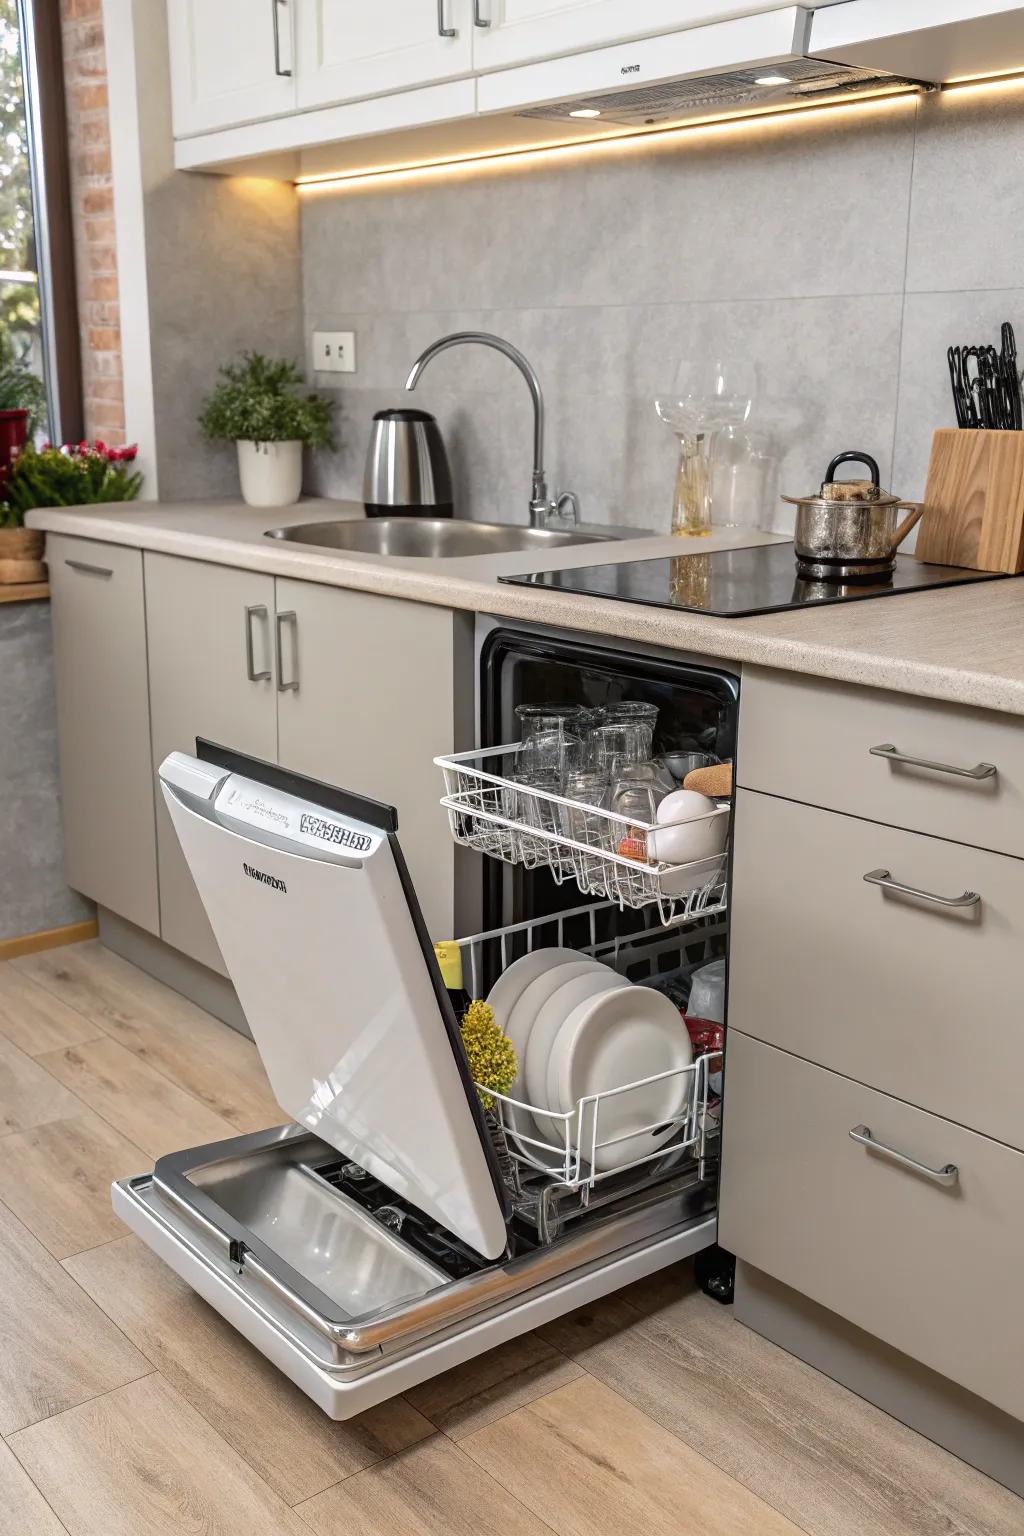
[547,976]
[609,1041]
[511,984]
[546,1027]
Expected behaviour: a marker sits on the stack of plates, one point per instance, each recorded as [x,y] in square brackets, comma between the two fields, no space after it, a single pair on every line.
[579,1028]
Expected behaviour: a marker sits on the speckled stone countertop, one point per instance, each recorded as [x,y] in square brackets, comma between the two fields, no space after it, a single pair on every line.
[963,644]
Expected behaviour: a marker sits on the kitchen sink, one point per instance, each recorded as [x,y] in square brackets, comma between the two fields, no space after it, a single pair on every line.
[433,538]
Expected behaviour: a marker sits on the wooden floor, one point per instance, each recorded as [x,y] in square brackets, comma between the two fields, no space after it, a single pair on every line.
[128,1408]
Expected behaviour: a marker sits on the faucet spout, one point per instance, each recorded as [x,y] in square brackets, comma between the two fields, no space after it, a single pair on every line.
[540,504]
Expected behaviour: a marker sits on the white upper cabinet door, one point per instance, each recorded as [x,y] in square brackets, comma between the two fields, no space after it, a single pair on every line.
[937,40]
[515,31]
[231,62]
[348,49]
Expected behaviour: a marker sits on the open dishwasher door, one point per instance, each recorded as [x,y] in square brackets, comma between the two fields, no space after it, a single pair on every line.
[308,895]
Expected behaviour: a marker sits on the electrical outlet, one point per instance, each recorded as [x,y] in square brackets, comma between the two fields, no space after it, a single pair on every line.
[334,351]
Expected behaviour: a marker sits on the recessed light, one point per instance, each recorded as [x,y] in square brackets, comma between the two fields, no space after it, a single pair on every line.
[586,112]
[772,80]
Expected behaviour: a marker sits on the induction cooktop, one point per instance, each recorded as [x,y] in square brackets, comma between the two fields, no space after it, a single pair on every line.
[735,583]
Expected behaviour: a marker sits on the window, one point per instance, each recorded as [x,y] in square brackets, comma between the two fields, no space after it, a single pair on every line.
[37,284]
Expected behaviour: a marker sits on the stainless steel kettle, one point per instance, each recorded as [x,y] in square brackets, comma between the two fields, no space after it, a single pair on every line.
[407,471]
[848,531]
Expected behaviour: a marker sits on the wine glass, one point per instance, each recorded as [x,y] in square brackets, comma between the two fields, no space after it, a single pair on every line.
[706,396]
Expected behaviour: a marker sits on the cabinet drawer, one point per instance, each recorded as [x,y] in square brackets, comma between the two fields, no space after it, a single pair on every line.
[920,1000]
[812,741]
[931,1269]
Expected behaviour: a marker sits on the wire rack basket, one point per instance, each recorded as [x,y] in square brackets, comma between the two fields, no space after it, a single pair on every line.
[606,854]
[558,1165]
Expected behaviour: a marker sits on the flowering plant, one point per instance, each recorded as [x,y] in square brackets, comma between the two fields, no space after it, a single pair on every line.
[75,475]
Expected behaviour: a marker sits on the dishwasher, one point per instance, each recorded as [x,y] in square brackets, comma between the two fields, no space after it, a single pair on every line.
[392,1229]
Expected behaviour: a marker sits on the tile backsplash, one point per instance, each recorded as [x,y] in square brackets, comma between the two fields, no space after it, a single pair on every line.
[835,258]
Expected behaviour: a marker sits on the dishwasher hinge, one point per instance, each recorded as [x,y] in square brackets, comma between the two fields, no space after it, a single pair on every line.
[236,1254]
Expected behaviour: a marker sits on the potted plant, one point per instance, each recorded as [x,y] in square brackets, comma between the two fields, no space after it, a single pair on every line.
[259,404]
[75,475]
[22,402]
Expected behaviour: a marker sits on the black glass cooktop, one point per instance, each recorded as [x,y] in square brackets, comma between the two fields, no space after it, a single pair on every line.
[735,583]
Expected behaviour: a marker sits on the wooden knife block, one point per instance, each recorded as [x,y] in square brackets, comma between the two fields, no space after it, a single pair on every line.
[974,503]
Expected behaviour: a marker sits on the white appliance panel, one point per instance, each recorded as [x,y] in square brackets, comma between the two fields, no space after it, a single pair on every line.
[316,930]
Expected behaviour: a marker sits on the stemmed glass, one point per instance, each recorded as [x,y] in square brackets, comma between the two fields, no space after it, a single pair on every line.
[706,396]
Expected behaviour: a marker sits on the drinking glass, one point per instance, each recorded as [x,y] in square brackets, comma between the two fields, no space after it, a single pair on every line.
[614,748]
[637,800]
[551,740]
[707,395]
[744,479]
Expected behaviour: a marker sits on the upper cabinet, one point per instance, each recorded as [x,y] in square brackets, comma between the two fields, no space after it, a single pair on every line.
[347,49]
[231,62]
[938,40]
[509,32]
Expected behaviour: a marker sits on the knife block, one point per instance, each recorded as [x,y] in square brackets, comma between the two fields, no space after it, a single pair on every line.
[974,503]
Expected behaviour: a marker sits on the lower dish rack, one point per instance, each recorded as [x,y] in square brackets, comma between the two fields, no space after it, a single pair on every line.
[606,854]
[549,1160]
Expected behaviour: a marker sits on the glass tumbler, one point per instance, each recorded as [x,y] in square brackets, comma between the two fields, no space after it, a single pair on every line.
[551,738]
[637,800]
[614,748]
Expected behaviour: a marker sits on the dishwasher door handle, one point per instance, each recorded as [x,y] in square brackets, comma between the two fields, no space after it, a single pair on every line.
[947,1175]
[884,880]
[894,755]
[280,619]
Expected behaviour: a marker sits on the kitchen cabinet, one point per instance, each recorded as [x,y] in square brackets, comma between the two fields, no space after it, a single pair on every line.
[515,31]
[231,62]
[938,40]
[369,695]
[365,49]
[922,1257]
[210,636]
[106,772]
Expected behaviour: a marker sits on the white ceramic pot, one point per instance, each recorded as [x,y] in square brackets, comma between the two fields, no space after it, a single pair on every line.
[270,473]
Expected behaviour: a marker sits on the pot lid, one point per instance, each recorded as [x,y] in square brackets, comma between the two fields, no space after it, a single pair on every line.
[311,904]
[848,493]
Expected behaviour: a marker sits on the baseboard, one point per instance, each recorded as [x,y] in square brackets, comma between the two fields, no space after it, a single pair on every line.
[48,938]
[181,973]
[937,1408]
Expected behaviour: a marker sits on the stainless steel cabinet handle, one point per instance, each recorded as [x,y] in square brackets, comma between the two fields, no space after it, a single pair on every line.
[947,1176]
[89,570]
[442,30]
[883,878]
[478,20]
[894,755]
[280,619]
[274,4]
[250,664]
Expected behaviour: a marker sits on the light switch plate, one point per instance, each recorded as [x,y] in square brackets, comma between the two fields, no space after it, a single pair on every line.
[334,351]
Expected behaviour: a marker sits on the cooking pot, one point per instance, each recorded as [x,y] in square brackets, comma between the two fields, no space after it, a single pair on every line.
[849,529]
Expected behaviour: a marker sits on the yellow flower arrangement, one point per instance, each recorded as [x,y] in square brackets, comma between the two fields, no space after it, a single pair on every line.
[492,1056]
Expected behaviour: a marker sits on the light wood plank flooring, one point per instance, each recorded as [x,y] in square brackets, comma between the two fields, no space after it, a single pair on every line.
[129,1408]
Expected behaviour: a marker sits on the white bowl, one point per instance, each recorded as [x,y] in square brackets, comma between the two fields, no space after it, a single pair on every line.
[691,829]
[611,1041]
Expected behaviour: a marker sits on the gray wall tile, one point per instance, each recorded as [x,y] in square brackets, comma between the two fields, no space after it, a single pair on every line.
[33,892]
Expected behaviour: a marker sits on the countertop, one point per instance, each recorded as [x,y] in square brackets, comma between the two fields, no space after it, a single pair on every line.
[962,644]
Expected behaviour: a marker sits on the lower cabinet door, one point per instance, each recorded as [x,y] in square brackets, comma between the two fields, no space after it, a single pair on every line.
[927,1258]
[106,778]
[210,631]
[372,690]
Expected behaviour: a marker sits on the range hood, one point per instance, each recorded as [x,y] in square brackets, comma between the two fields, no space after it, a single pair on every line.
[724,69]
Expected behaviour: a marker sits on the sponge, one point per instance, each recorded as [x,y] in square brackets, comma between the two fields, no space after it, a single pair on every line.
[715,782]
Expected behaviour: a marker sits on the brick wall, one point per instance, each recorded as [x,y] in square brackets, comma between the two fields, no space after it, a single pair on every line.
[92,196]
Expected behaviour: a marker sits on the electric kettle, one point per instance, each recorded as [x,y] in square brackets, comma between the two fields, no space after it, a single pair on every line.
[407,472]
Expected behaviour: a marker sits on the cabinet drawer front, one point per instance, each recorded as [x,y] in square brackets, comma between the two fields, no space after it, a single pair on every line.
[106,778]
[931,1269]
[812,741]
[919,1000]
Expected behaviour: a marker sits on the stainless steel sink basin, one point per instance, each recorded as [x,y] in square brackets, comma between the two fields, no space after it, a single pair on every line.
[433,538]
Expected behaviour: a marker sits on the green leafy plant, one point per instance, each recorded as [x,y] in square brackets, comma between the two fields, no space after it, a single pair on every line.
[260,400]
[72,476]
[20,389]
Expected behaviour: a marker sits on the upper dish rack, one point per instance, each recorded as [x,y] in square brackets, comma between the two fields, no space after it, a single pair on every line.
[523,825]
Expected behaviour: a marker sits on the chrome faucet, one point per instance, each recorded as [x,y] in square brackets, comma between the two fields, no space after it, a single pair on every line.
[542,506]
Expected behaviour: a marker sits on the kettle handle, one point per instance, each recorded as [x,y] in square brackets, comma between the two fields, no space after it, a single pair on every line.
[853,458]
[916,509]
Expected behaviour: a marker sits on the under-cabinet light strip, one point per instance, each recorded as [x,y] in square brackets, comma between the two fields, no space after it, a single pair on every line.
[632,137]
[627,138]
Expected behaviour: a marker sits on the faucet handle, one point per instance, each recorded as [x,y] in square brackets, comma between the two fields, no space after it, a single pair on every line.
[566,499]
